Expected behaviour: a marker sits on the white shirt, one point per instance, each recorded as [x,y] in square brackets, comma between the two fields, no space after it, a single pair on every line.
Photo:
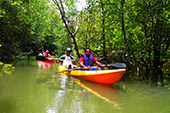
[67,61]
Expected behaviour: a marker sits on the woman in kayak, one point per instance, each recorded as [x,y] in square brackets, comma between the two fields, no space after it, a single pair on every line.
[67,60]
[87,60]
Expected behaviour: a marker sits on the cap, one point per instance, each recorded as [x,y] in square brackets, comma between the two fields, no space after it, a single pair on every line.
[69,49]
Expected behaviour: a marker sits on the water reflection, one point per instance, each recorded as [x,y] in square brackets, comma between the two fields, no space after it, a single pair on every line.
[103,91]
[45,65]
[59,99]
[76,95]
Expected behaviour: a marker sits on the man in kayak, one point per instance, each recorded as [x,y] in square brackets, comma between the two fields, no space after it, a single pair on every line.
[87,60]
[67,60]
[47,54]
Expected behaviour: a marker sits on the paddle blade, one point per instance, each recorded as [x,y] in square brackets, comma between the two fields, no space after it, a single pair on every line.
[119,65]
[61,71]
[65,71]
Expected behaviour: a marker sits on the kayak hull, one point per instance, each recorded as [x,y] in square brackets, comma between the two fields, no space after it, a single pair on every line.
[49,60]
[45,59]
[99,76]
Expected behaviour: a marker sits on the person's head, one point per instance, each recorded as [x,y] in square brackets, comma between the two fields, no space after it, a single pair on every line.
[47,51]
[87,51]
[68,51]
[42,51]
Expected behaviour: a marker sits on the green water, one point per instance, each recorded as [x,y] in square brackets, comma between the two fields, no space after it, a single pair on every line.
[31,88]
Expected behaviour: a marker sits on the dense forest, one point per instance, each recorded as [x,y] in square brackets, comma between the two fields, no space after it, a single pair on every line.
[136,32]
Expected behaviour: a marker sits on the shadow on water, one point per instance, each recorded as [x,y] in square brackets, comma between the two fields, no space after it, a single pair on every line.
[7,106]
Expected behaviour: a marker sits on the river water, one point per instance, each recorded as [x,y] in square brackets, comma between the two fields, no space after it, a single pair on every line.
[32,88]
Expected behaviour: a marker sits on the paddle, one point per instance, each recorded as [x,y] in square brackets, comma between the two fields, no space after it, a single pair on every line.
[117,65]
[74,69]
[67,70]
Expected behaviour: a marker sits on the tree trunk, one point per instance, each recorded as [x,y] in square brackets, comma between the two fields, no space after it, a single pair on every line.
[157,39]
[75,44]
[157,72]
[65,21]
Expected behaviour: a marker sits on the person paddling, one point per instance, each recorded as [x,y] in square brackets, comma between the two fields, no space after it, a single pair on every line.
[42,53]
[87,60]
[47,54]
[67,59]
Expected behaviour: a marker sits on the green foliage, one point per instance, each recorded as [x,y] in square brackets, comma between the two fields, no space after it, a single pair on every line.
[147,39]
[6,68]
[135,32]
[28,27]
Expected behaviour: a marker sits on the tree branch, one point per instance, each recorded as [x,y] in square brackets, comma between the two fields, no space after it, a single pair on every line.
[62,12]
[76,25]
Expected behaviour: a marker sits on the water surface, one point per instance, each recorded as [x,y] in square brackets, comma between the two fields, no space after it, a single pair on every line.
[31,88]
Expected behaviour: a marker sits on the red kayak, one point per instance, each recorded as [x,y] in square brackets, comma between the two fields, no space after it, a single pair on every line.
[45,59]
[49,60]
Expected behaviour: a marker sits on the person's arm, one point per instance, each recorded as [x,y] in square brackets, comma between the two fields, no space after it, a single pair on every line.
[57,61]
[45,54]
[73,60]
[81,61]
[49,56]
[61,59]
[98,63]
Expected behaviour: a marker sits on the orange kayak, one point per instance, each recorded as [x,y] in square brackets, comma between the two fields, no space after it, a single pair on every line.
[99,76]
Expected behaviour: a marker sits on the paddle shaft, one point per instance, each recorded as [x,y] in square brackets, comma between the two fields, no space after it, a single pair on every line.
[69,70]
[74,69]
[117,65]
